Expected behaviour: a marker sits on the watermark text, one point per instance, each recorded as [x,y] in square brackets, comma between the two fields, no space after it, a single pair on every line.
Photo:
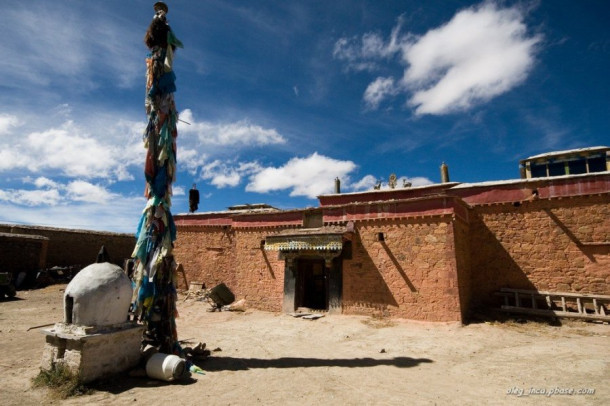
[548,392]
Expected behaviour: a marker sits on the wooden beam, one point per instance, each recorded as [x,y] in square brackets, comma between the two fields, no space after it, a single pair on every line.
[554,313]
[565,294]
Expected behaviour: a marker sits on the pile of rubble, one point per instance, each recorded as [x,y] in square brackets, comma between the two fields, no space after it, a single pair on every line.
[219,297]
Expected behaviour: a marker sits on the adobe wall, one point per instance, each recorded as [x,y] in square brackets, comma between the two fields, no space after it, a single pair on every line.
[22,253]
[462,248]
[548,244]
[232,256]
[77,247]
[206,254]
[440,258]
[259,273]
[411,274]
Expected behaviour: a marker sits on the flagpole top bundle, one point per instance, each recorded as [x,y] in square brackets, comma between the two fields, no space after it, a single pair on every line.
[160,6]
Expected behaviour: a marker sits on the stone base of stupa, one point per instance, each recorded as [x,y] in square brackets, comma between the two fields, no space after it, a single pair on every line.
[92,353]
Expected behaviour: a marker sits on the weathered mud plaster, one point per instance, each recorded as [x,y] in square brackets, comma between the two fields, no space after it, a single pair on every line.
[99,295]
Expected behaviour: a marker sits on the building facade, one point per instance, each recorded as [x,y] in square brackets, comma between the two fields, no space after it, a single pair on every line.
[431,253]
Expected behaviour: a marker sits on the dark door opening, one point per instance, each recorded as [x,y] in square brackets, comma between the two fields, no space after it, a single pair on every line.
[311,284]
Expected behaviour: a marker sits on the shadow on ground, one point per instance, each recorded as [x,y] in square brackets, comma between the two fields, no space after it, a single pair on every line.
[214,364]
[123,383]
[10,299]
[494,315]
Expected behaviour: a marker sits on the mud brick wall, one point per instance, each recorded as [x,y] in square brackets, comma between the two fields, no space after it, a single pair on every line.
[260,273]
[462,249]
[206,254]
[77,247]
[411,274]
[435,267]
[22,253]
[557,245]
[235,257]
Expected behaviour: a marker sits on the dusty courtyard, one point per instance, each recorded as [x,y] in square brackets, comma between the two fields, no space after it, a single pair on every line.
[266,358]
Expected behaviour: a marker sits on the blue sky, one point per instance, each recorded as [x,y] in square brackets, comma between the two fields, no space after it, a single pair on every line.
[284,96]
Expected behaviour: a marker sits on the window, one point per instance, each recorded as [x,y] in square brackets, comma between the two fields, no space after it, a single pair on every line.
[538,170]
[556,169]
[578,166]
[597,164]
[313,220]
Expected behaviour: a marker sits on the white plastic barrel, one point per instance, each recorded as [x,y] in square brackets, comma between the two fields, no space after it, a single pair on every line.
[165,367]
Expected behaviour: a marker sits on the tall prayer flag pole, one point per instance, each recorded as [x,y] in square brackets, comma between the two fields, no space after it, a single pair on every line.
[154,297]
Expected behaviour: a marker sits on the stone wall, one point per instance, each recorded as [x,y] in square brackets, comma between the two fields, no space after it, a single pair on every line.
[412,273]
[76,247]
[558,245]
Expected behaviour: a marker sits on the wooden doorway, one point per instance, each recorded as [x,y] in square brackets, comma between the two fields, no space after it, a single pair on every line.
[311,284]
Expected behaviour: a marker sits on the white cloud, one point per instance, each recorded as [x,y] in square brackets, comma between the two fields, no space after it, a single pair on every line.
[482,52]
[190,159]
[51,193]
[378,90]
[310,176]
[350,51]
[42,182]
[222,180]
[200,140]
[82,191]
[416,181]
[31,197]
[108,148]
[178,191]
[7,122]
[237,134]
[365,55]
[222,174]
[366,183]
[72,151]
[120,216]
[76,204]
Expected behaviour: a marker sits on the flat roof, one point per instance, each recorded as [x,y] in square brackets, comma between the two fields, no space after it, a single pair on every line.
[568,152]
[397,188]
[526,180]
[251,206]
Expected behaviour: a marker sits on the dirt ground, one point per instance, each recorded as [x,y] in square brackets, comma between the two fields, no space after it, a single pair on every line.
[266,358]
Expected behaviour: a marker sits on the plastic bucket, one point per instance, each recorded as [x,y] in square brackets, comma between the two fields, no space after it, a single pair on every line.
[165,367]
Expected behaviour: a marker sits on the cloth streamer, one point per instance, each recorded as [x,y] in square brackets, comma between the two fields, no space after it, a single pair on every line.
[154,297]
